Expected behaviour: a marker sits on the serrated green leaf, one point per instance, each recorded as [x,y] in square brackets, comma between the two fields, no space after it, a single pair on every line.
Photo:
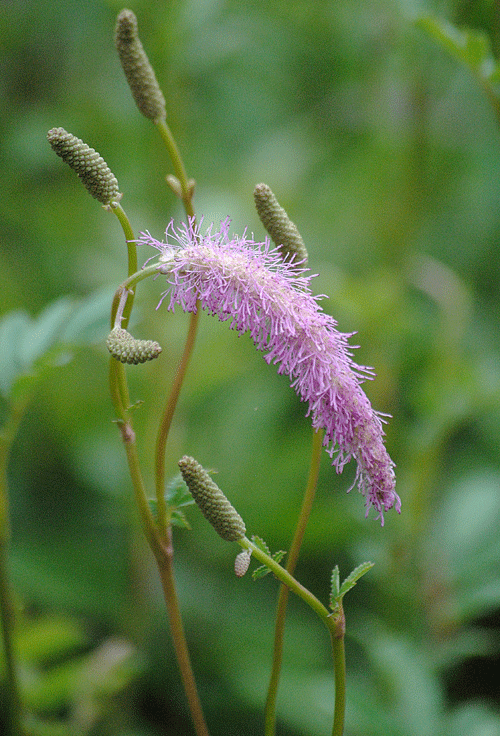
[261,545]
[334,584]
[176,497]
[353,578]
[177,493]
[263,570]
[260,572]
[278,556]
[178,519]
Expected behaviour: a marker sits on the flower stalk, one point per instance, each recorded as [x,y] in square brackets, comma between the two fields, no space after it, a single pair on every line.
[291,563]
[335,623]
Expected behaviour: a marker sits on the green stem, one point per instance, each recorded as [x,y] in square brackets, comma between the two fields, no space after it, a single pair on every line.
[158,533]
[132,257]
[119,396]
[7,625]
[279,632]
[178,164]
[290,582]
[165,567]
[335,623]
[166,422]
[160,543]
[338,649]
[13,707]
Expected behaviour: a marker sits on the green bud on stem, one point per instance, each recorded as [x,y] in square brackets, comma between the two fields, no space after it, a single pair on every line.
[212,502]
[92,169]
[138,71]
[127,349]
[282,230]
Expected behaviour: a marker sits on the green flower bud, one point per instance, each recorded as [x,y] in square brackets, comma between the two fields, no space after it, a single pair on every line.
[282,230]
[138,71]
[94,172]
[212,502]
[127,349]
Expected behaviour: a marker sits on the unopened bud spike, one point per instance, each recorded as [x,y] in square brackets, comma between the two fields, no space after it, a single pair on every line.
[127,349]
[212,502]
[282,230]
[138,71]
[92,169]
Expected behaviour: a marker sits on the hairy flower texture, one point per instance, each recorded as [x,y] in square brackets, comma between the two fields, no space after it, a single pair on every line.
[237,279]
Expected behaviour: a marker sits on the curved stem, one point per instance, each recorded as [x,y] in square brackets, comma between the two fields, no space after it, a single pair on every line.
[166,421]
[305,511]
[132,256]
[119,395]
[334,622]
[165,567]
[13,697]
[178,164]
[290,582]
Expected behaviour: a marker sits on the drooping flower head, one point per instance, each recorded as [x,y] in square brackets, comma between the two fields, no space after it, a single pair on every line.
[249,284]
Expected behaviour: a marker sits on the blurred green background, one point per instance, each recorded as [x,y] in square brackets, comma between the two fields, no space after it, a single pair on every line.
[386,153]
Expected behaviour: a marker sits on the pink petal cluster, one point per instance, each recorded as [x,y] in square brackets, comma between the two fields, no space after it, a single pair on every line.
[237,279]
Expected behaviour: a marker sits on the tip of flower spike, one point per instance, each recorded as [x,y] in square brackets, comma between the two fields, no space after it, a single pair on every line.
[92,169]
[282,230]
[212,502]
[127,349]
[249,284]
[137,69]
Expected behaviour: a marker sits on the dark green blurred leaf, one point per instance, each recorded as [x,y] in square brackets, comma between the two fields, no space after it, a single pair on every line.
[41,640]
[29,347]
[466,547]
[471,47]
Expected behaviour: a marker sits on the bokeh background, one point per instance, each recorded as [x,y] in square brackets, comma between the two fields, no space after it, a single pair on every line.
[385,151]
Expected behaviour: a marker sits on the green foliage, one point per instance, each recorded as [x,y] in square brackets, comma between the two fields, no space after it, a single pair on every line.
[177,496]
[63,672]
[263,570]
[471,47]
[388,161]
[31,346]
[337,591]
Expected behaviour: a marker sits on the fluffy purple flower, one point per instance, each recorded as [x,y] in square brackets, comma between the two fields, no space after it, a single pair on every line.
[248,283]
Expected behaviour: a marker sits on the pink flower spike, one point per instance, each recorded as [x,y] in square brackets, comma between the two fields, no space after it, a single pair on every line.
[248,283]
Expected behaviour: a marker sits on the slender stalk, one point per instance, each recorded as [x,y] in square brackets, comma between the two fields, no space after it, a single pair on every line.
[166,421]
[178,164]
[7,625]
[335,623]
[119,396]
[132,256]
[165,567]
[158,531]
[339,669]
[305,512]
[13,697]
[290,582]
